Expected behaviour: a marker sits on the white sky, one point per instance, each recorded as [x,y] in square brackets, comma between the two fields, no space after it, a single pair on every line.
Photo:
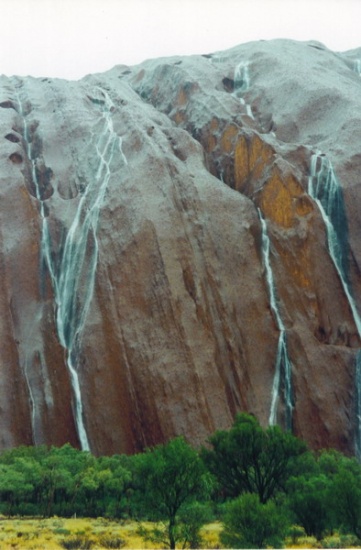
[71,38]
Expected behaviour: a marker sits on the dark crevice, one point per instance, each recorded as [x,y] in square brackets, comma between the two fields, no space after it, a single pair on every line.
[228,84]
[16,158]
[13,138]
[8,104]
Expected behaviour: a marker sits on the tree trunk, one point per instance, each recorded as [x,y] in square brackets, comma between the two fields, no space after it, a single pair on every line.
[171,529]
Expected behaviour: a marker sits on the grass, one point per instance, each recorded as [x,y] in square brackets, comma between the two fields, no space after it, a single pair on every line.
[96,534]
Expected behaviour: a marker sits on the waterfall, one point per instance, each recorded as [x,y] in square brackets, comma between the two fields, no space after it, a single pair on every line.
[216,58]
[283,366]
[73,281]
[325,189]
[35,414]
[45,250]
[241,85]
[241,77]
[357,66]
[358,404]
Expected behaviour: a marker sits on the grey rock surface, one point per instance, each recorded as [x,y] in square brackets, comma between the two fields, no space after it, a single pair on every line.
[164,263]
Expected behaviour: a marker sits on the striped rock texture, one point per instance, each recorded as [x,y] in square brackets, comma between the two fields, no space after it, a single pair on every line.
[180,241]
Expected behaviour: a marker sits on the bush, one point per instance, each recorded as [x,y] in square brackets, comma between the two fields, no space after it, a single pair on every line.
[61,531]
[295,532]
[250,524]
[190,521]
[168,479]
[248,458]
[309,500]
[77,543]
[111,541]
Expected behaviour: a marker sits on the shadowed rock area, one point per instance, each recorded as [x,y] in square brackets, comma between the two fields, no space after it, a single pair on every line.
[179,241]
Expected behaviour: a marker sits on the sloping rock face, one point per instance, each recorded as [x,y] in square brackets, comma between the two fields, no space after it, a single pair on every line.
[179,241]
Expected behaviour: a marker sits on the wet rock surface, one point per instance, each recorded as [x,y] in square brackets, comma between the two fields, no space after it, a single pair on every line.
[135,284]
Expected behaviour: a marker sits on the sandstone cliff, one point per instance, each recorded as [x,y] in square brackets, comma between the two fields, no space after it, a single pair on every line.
[179,241]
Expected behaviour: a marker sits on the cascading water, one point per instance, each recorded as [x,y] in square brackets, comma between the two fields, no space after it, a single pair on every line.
[358,404]
[241,85]
[73,282]
[283,364]
[357,66]
[325,189]
[45,248]
[35,413]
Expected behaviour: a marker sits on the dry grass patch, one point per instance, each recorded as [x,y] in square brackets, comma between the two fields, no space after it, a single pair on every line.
[94,534]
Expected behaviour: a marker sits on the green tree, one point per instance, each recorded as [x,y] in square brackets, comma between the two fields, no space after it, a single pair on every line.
[191,519]
[114,486]
[346,498]
[250,524]
[63,481]
[344,495]
[14,488]
[247,458]
[20,482]
[55,478]
[170,477]
[309,500]
[63,470]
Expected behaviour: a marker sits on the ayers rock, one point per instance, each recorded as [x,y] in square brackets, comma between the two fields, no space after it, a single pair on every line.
[179,241]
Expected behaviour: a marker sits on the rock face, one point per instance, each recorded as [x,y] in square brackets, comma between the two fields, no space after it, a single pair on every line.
[179,241]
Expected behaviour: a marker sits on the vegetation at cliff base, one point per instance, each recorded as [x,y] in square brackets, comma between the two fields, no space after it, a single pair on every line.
[169,480]
[257,487]
[248,459]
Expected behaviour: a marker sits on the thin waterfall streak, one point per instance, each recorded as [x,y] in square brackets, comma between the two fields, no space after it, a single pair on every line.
[287,381]
[45,248]
[269,272]
[358,404]
[276,385]
[32,405]
[241,77]
[357,66]
[283,364]
[288,393]
[82,434]
[74,281]
[283,369]
[324,188]
[124,158]
[241,85]
[26,138]
[333,245]
[78,267]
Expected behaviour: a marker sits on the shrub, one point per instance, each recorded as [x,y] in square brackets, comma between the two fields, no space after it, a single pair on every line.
[77,543]
[250,524]
[111,541]
[61,531]
[310,502]
[295,532]
[248,458]
[168,479]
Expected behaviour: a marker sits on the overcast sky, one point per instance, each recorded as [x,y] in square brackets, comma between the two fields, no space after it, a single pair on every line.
[71,38]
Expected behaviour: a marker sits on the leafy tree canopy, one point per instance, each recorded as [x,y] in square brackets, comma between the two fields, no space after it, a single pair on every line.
[168,478]
[248,458]
[250,524]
